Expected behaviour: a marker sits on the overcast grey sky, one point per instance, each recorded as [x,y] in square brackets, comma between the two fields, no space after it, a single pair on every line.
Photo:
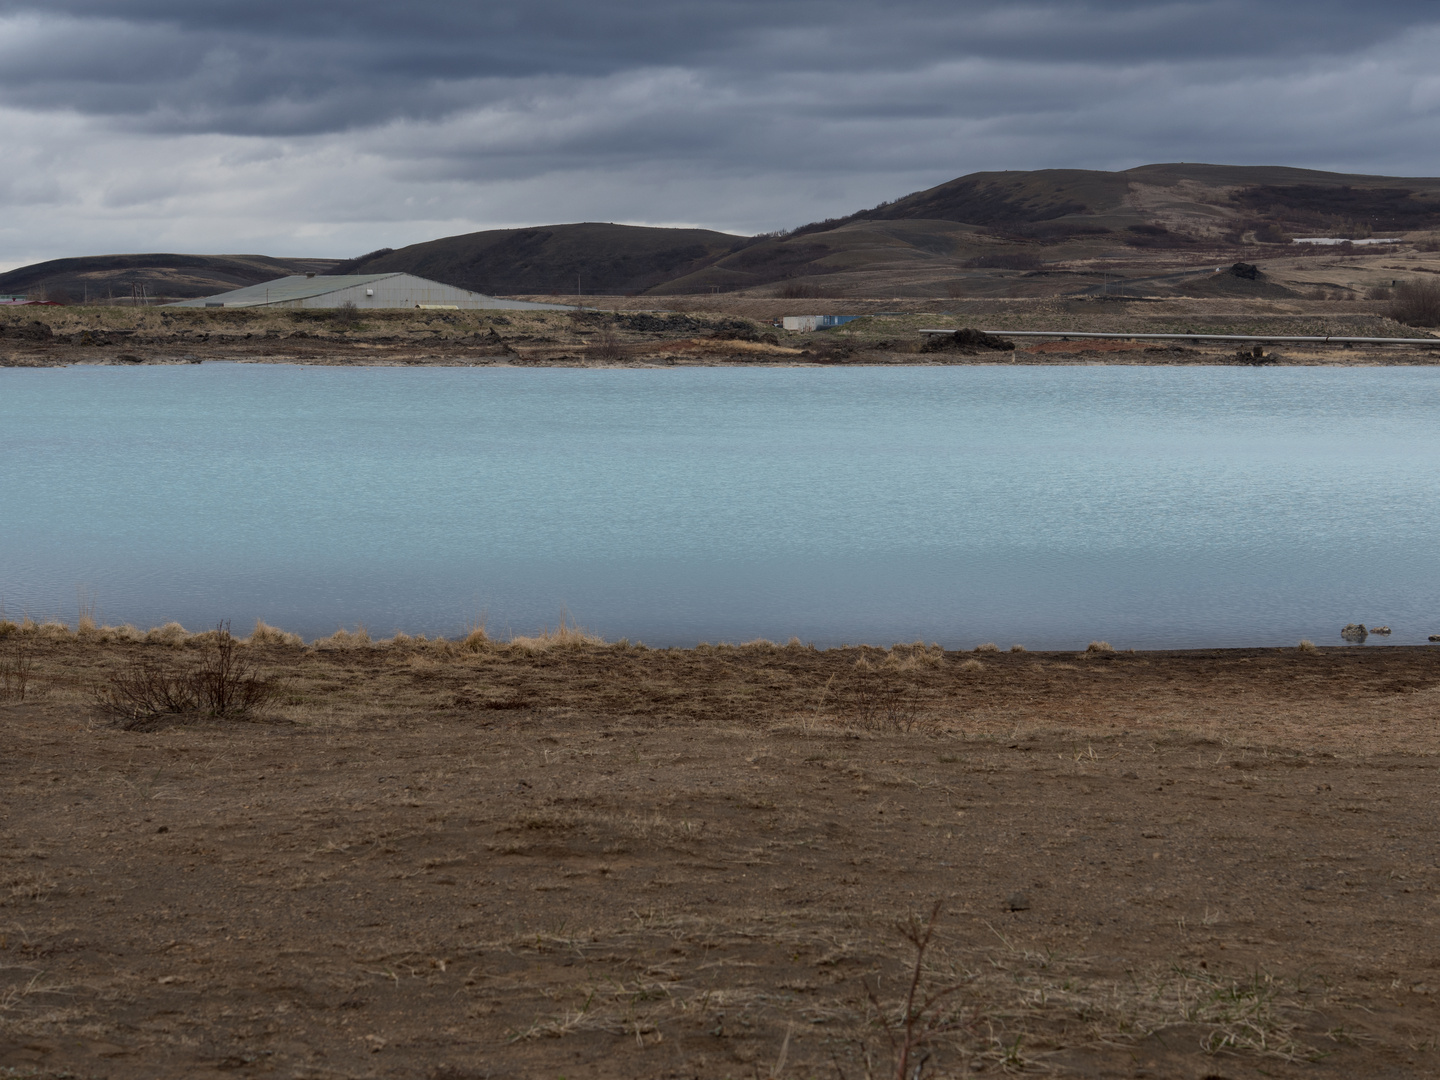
[331,128]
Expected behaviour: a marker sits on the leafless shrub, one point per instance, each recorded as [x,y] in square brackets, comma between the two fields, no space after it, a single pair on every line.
[923,1016]
[222,684]
[346,316]
[14,674]
[1416,303]
[606,345]
[877,701]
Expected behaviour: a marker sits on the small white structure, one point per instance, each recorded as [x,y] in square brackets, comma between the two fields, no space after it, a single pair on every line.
[365,291]
[815,322]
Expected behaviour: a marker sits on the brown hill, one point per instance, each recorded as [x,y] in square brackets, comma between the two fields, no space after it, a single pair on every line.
[121,277]
[590,257]
[1163,228]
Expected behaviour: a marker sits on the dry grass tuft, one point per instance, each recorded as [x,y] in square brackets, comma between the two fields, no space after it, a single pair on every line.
[972,665]
[568,635]
[359,638]
[8,628]
[172,634]
[1099,647]
[1017,648]
[989,646]
[476,640]
[265,634]
[1306,645]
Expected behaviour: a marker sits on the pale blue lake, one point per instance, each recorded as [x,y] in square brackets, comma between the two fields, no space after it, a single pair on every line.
[1151,507]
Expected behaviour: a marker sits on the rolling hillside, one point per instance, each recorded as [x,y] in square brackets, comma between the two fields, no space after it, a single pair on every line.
[1161,228]
[594,258]
[179,277]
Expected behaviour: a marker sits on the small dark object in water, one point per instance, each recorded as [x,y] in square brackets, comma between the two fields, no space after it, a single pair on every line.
[1354,632]
[1435,637]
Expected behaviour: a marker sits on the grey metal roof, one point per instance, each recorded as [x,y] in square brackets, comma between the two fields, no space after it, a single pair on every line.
[295,287]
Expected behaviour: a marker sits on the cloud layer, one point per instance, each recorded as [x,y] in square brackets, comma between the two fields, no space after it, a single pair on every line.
[329,128]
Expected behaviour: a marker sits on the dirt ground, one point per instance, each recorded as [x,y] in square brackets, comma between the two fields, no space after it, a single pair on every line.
[550,860]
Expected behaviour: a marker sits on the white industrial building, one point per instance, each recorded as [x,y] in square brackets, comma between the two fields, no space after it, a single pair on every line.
[365,291]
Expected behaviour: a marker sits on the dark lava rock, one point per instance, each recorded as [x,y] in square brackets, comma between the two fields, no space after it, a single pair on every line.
[1354,632]
[1248,271]
[968,340]
[34,330]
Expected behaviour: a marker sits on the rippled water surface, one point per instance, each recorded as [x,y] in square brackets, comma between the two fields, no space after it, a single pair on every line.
[1151,507]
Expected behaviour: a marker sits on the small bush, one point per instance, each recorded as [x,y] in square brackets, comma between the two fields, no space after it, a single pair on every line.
[142,694]
[1306,645]
[606,346]
[346,316]
[1099,647]
[14,674]
[1416,303]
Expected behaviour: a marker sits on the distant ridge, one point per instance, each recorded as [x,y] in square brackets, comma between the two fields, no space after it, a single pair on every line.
[589,257]
[960,234]
[161,275]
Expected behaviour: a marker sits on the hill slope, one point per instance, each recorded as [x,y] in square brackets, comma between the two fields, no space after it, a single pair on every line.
[161,275]
[591,257]
[1045,232]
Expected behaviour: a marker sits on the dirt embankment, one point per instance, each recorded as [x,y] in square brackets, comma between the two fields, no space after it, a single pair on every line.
[609,861]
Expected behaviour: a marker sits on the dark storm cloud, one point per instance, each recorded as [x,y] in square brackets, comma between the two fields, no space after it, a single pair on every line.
[332,128]
[288,68]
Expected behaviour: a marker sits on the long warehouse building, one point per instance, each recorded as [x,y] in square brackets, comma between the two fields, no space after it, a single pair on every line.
[365,291]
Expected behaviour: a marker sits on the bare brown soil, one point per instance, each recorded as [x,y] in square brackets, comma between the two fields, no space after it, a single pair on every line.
[609,861]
